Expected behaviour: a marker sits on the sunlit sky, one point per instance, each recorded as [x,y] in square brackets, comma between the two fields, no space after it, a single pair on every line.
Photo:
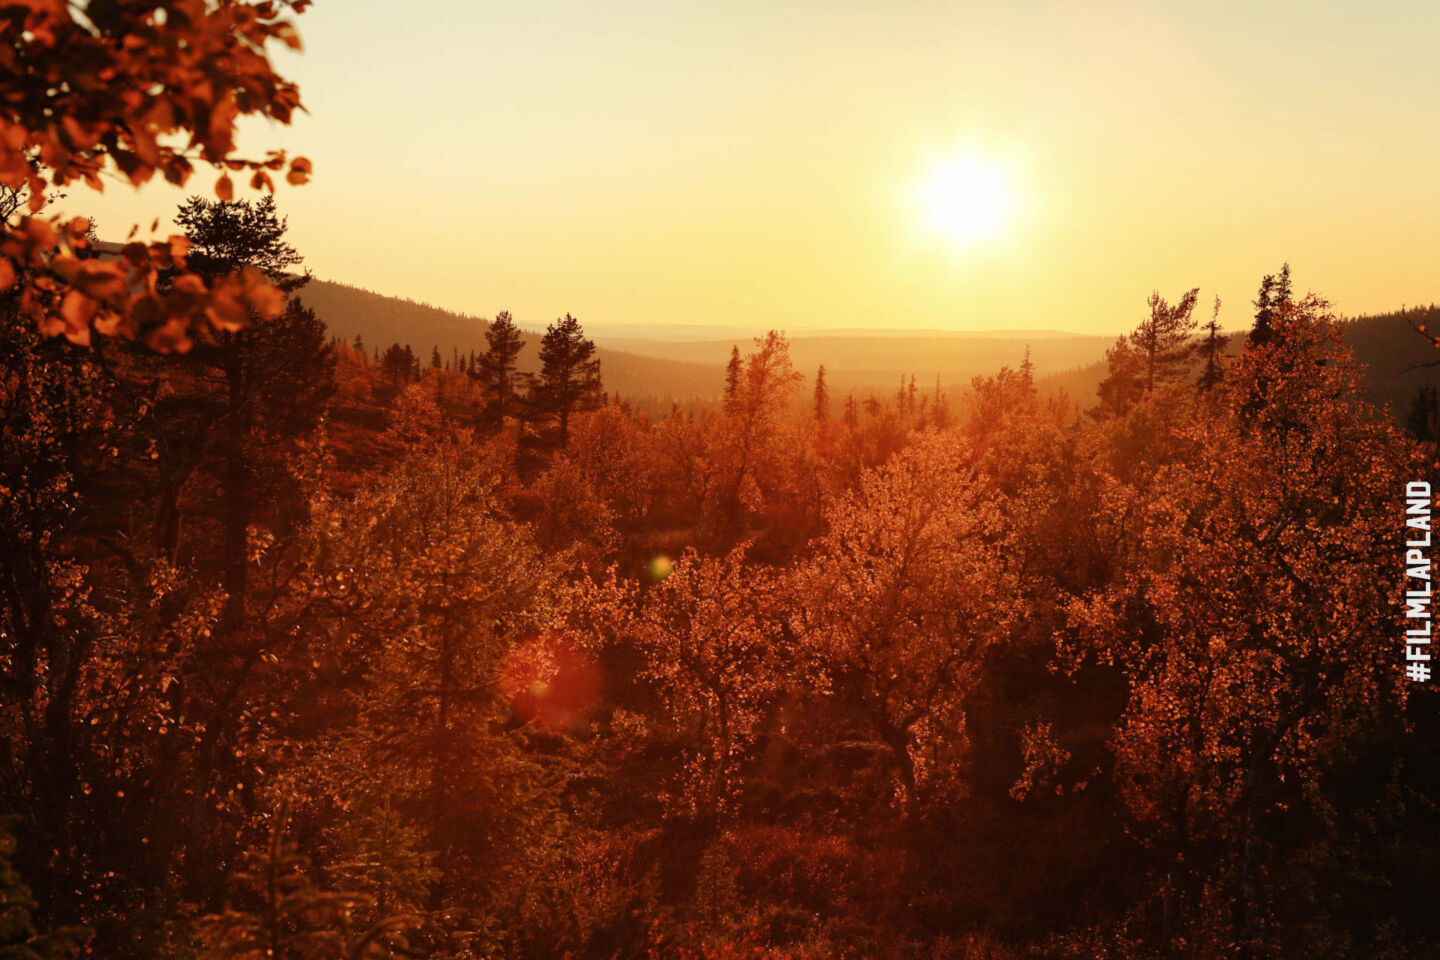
[765,163]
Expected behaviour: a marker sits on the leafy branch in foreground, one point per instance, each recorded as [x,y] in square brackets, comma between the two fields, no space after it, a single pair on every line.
[134,90]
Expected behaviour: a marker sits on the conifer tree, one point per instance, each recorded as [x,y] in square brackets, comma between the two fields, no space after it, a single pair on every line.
[396,363]
[275,377]
[1423,418]
[496,366]
[1027,370]
[822,396]
[569,379]
[732,375]
[1211,349]
[280,913]
[1125,381]
[1162,340]
[227,235]
[941,406]
[1274,295]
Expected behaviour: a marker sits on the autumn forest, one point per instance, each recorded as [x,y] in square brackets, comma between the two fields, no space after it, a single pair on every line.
[313,647]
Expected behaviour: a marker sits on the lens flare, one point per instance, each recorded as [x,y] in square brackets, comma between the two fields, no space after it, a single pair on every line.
[550,681]
[660,567]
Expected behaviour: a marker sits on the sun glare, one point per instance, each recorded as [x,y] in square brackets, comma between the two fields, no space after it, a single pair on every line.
[967,198]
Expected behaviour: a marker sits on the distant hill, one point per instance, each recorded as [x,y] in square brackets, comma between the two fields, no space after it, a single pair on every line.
[683,368]
[1391,352]
[673,332]
[659,370]
[381,321]
[874,362]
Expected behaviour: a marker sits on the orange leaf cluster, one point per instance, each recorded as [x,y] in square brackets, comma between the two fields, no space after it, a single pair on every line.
[143,89]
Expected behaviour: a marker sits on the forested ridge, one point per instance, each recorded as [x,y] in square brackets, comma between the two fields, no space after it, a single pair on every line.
[309,653]
[653,374]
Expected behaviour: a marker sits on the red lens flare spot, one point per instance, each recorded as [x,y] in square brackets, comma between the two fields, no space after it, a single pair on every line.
[550,681]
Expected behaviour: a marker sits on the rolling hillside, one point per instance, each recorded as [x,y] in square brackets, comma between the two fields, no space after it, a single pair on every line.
[383,320]
[658,371]
[690,368]
[1394,357]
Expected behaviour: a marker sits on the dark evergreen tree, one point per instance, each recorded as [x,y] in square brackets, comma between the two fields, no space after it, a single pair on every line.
[435,362]
[495,368]
[1124,381]
[941,406]
[822,396]
[1274,295]
[276,378]
[1211,349]
[732,375]
[396,363]
[569,378]
[1027,370]
[225,236]
[1423,418]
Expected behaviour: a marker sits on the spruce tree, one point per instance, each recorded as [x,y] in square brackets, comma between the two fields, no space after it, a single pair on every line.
[732,375]
[569,379]
[1124,381]
[941,406]
[1274,295]
[1027,370]
[1423,420]
[822,396]
[395,364]
[496,366]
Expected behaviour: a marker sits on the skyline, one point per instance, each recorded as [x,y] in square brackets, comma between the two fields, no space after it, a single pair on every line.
[760,164]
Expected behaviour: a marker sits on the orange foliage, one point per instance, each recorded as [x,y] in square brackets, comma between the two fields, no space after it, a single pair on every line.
[117,86]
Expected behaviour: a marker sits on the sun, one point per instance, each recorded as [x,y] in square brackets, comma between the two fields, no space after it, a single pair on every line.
[967,198]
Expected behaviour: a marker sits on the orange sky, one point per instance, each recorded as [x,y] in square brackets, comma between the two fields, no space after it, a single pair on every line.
[760,163]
